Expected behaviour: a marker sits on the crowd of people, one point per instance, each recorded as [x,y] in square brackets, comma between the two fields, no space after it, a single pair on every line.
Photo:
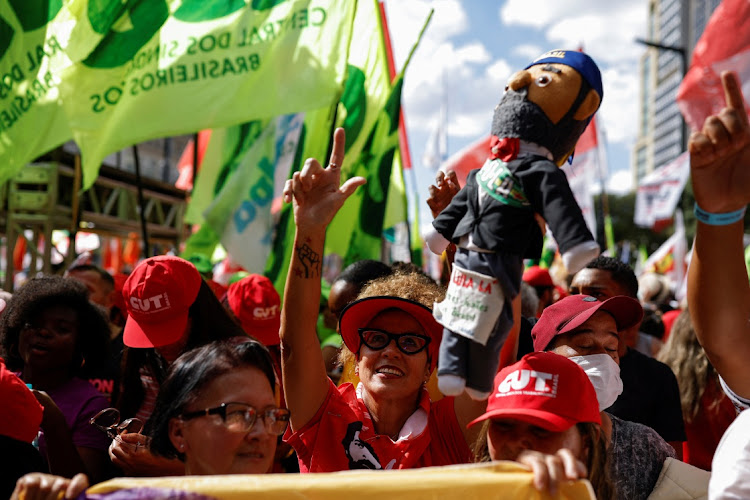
[163,374]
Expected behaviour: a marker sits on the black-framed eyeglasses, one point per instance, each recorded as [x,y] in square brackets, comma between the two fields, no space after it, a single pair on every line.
[241,417]
[108,421]
[408,343]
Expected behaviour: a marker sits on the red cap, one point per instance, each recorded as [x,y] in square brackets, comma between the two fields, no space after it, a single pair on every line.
[22,413]
[158,294]
[218,289]
[256,303]
[569,313]
[537,276]
[118,300]
[360,312]
[546,390]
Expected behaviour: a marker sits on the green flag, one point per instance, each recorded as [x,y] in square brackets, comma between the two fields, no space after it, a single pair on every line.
[375,163]
[224,153]
[169,67]
[367,89]
[365,93]
[33,34]
[313,143]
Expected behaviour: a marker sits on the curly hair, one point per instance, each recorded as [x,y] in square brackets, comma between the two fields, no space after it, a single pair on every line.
[407,285]
[687,359]
[404,284]
[190,374]
[362,271]
[41,293]
[621,272]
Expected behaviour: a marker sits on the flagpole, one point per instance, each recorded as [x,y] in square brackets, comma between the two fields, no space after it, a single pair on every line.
[403,142]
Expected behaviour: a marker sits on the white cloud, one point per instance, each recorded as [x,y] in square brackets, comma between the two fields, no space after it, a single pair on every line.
[528,51]
[405,19]
[541,13]
[606,31]
[467,55]
[620,182]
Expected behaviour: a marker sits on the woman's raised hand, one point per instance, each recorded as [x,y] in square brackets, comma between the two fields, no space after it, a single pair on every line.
[315,190]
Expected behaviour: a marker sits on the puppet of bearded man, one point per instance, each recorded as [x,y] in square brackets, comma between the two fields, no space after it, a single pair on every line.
[535,128]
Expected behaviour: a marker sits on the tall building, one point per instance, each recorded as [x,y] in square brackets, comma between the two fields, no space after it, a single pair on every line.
[676,25]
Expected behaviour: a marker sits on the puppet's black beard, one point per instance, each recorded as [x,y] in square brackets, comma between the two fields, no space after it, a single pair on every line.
[518,117]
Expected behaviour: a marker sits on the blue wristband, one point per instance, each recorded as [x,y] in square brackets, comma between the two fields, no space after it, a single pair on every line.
[723,219]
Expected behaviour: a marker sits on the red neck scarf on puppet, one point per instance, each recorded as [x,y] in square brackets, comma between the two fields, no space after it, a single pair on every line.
[505,149]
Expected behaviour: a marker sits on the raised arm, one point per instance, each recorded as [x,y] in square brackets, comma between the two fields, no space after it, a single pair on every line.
[718,291]
[316,196]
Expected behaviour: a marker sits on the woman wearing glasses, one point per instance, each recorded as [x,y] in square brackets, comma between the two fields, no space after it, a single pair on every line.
[216,411]
[387,421]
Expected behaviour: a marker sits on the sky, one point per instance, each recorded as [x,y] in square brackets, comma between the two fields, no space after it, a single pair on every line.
[472,47]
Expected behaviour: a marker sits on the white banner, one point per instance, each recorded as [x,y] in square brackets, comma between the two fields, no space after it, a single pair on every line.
[659,192]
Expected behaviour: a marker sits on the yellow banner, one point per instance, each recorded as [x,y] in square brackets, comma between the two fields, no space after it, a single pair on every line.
[461,482]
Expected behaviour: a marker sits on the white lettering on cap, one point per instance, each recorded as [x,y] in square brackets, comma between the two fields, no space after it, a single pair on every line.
[265,312]
[150,305]
[528,382]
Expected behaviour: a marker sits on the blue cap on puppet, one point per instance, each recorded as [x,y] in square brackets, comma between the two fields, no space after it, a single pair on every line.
[578,61]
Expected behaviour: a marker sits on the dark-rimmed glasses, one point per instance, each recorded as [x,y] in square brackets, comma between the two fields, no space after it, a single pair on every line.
[241,417]
[408,343]
[108,421]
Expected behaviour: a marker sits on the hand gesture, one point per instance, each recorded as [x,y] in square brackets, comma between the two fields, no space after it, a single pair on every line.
[37,486]
[720,154]
[315,190]
[551,470]
[442,192]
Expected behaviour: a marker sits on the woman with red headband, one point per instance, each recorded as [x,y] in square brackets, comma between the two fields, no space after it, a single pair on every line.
[387,421]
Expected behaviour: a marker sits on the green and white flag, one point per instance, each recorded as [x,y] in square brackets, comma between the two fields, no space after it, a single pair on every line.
[33,35]
[241,212]
[168,67]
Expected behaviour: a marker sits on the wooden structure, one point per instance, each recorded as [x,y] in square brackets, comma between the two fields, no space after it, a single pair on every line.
[46,196]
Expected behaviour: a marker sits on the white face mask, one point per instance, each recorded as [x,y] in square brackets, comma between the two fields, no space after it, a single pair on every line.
[604,374]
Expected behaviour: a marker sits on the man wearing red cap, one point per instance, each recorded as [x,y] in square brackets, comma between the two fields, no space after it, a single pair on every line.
[540,279]
[586,331]
[544,409]
[650,394]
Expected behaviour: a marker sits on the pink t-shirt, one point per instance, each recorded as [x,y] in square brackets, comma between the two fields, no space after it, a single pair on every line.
[341,436]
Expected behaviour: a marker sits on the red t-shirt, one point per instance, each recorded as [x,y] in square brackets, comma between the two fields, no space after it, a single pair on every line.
[341,436]
[706,429]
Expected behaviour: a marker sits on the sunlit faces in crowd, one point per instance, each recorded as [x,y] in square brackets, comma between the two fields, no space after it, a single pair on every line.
[389,370]
[210,445]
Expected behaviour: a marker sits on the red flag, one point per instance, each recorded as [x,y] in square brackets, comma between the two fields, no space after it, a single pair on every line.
[472,156]
[724,45]
[185,165]
[403,140]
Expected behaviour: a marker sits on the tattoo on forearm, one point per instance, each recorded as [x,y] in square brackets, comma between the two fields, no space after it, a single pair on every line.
[310,261]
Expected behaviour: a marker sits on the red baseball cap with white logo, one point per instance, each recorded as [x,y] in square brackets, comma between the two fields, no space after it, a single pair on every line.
[158,294]
[256,303]
[569,313]
[543,389]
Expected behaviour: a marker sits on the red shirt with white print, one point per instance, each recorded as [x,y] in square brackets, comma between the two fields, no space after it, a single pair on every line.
[341,436]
